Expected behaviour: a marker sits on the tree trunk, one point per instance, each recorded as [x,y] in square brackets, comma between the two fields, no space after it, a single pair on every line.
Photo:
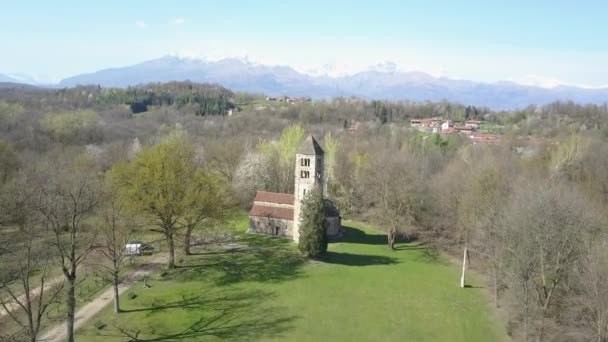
[525,313]
[171,251]
[391,239]
[464,266]
[495,270]
[29,312]
[116,297]
[71,307]
[189,229]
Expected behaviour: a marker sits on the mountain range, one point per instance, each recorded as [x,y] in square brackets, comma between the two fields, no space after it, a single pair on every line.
[378,83]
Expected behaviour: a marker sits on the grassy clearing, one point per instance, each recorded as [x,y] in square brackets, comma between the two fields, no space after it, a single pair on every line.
[259,288]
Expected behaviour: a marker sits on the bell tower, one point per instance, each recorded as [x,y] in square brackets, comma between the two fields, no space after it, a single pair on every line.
[309,177]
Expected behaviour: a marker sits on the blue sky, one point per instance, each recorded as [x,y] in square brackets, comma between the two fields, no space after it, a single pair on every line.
[542,42]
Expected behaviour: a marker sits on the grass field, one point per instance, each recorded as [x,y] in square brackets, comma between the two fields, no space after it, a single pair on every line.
[259,288]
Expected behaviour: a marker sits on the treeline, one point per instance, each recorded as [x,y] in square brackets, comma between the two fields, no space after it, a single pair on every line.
[204,99]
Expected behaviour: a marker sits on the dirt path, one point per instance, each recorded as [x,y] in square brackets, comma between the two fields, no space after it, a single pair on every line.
[84,314]
[33,293]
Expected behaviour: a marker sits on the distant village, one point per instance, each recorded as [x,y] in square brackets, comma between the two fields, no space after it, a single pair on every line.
[441,126]
[288,99]
[429,125]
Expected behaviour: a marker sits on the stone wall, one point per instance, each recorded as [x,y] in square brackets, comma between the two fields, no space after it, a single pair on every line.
[270,226]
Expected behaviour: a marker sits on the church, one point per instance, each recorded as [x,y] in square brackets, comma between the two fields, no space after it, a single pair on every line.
[278,214]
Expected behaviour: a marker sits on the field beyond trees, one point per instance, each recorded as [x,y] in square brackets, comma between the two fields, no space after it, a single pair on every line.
[252,287]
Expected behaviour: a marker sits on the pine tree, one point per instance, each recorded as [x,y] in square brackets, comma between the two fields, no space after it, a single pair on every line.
[313,240]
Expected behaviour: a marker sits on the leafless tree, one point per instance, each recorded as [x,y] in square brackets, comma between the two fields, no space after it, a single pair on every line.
[592,282]
[224,157]
[70,192]
[26,287]
[545,226]
[115,232]
[393,188]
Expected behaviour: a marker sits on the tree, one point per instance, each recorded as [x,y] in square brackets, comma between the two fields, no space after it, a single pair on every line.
[164,184]
[592,281]
[331,149]
[280,157]
[9,162]
[208,200]
[313,240]
[25,261]
[392,185]
[67,127]
[70,191]
[485,193]
[9,115]
[544,228]
[224,157]
[380,111]
[115,232]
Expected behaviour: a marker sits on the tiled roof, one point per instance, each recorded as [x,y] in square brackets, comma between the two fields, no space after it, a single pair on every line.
[272,212]
[273,197]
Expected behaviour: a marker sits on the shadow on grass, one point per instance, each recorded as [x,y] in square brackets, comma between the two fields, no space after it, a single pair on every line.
[349,259]
[221,314]
[410,247]
[263,259]
[355,235]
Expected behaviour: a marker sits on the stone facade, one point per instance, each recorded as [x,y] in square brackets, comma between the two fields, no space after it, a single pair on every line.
[271,226]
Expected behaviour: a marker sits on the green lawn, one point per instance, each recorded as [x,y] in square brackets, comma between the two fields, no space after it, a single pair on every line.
[260,289]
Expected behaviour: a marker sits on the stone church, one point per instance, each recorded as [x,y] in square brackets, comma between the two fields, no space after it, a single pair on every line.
[278,214]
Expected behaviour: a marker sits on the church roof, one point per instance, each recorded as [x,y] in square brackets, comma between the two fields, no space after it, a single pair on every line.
[310,146]
[273,197]
[272,212]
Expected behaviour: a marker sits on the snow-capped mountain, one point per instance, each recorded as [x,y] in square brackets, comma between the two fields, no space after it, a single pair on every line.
[382,81]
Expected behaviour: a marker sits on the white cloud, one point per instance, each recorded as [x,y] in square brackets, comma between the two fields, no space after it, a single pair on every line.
[141,24]
[179,21]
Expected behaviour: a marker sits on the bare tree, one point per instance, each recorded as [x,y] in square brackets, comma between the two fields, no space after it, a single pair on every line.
[545,224]
[486,192]
[224,157]
[70,192]
[392,183]
[26,261]
[592,281]
[115,232]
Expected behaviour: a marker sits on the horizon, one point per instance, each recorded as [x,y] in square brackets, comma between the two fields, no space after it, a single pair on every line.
[544,44]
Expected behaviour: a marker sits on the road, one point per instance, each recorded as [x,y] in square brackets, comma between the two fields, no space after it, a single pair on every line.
[84,314]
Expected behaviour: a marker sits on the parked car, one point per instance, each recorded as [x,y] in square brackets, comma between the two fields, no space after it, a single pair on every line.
[138,248]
